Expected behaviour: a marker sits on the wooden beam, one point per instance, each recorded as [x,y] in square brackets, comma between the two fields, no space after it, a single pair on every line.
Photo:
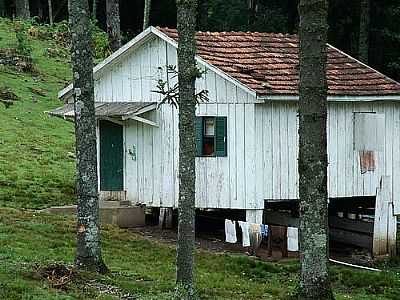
[351,238]
[280,219]
[143,120]
[112,120]
[351,225]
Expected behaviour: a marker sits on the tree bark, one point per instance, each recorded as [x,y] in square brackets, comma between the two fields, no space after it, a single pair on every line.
[186,23]
[313,160]
[22,9]
[146,14]
[253,7]
[50,12]
[94,10]
[113,24]
[363,39]
[88,252]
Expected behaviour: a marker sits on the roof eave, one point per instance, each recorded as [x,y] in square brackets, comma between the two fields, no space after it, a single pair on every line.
[333,98]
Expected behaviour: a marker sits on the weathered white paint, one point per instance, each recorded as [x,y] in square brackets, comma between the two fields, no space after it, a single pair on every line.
[262,139]
[385,225]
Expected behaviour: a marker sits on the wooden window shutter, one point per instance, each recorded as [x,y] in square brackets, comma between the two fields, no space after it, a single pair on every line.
[220,136]
[199,136]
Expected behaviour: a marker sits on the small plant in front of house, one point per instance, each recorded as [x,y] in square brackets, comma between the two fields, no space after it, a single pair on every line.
[170,94]
[23,46]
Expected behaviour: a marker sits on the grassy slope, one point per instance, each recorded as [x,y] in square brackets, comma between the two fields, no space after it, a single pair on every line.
[35,168]
[146,269]
[35,171]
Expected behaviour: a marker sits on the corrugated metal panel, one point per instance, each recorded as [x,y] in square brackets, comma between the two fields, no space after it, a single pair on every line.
[105,109]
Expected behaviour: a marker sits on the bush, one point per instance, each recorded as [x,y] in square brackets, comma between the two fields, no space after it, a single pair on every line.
[23,46]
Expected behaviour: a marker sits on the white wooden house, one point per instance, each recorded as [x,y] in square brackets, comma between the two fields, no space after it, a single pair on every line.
[247,132]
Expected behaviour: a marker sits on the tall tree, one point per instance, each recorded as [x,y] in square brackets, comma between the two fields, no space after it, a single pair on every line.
[363,38]
[50,12]
[2,8]
[88,252]
[313,159]
[253,8]
[113,24]
[187,73]
[203,15]
[146,14]
[22,9]
[94,10]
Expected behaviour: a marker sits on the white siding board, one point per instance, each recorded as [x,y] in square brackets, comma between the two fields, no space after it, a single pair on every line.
[240,155]
[223,182]
[232,154]
[341,150]
[283,134]
[259,158]
[249,156]
[292,150]
[276,144]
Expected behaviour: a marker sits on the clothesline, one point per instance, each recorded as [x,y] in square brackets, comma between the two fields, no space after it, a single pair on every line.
[252,234]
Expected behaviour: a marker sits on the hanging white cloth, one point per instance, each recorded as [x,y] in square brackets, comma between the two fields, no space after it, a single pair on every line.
[292,239]
[245,233]
[230,231]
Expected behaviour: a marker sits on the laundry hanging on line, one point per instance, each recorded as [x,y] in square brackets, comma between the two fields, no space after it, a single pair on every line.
[292,239]
[230,231]
[245,226]
[252,234]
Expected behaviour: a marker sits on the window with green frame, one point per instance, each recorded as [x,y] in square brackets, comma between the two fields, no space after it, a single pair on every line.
[211,136]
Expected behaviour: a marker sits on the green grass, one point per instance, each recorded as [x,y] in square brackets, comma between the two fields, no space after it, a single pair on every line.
[146,269]
[36,170]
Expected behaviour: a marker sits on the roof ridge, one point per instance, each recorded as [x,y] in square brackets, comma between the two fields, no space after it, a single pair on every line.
[239,32]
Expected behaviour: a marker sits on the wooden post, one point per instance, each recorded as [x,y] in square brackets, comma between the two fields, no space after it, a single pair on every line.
[385,223]
[165,218]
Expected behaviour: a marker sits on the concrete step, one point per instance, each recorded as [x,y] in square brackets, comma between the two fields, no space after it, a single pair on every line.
[122,216]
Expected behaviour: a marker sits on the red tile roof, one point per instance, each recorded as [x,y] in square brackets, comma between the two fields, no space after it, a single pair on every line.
[268,63]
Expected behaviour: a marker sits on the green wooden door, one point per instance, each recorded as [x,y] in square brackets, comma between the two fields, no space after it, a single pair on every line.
[111,157]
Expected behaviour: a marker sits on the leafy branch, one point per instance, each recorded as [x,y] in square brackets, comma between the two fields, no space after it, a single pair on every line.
[170,94]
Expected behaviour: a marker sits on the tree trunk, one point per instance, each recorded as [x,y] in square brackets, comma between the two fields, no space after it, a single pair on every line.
[94,10]
[22,9]
[113,24]
[2,8]
[186,23]
[363,39]
[50,12]
[88,252]
[146,14]
[313,160]
[203,15]
[253,8]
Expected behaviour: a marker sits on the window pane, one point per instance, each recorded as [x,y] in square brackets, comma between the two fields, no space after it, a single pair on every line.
[209,127]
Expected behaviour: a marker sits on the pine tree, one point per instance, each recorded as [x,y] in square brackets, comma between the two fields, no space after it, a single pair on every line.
[50,12]
[313,159]
[146,14]
[113,24]
[187,72]
[88,252]
[22,9]
[363,39]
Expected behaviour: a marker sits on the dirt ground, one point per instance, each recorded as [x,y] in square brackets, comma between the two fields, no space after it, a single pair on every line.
[214,241]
